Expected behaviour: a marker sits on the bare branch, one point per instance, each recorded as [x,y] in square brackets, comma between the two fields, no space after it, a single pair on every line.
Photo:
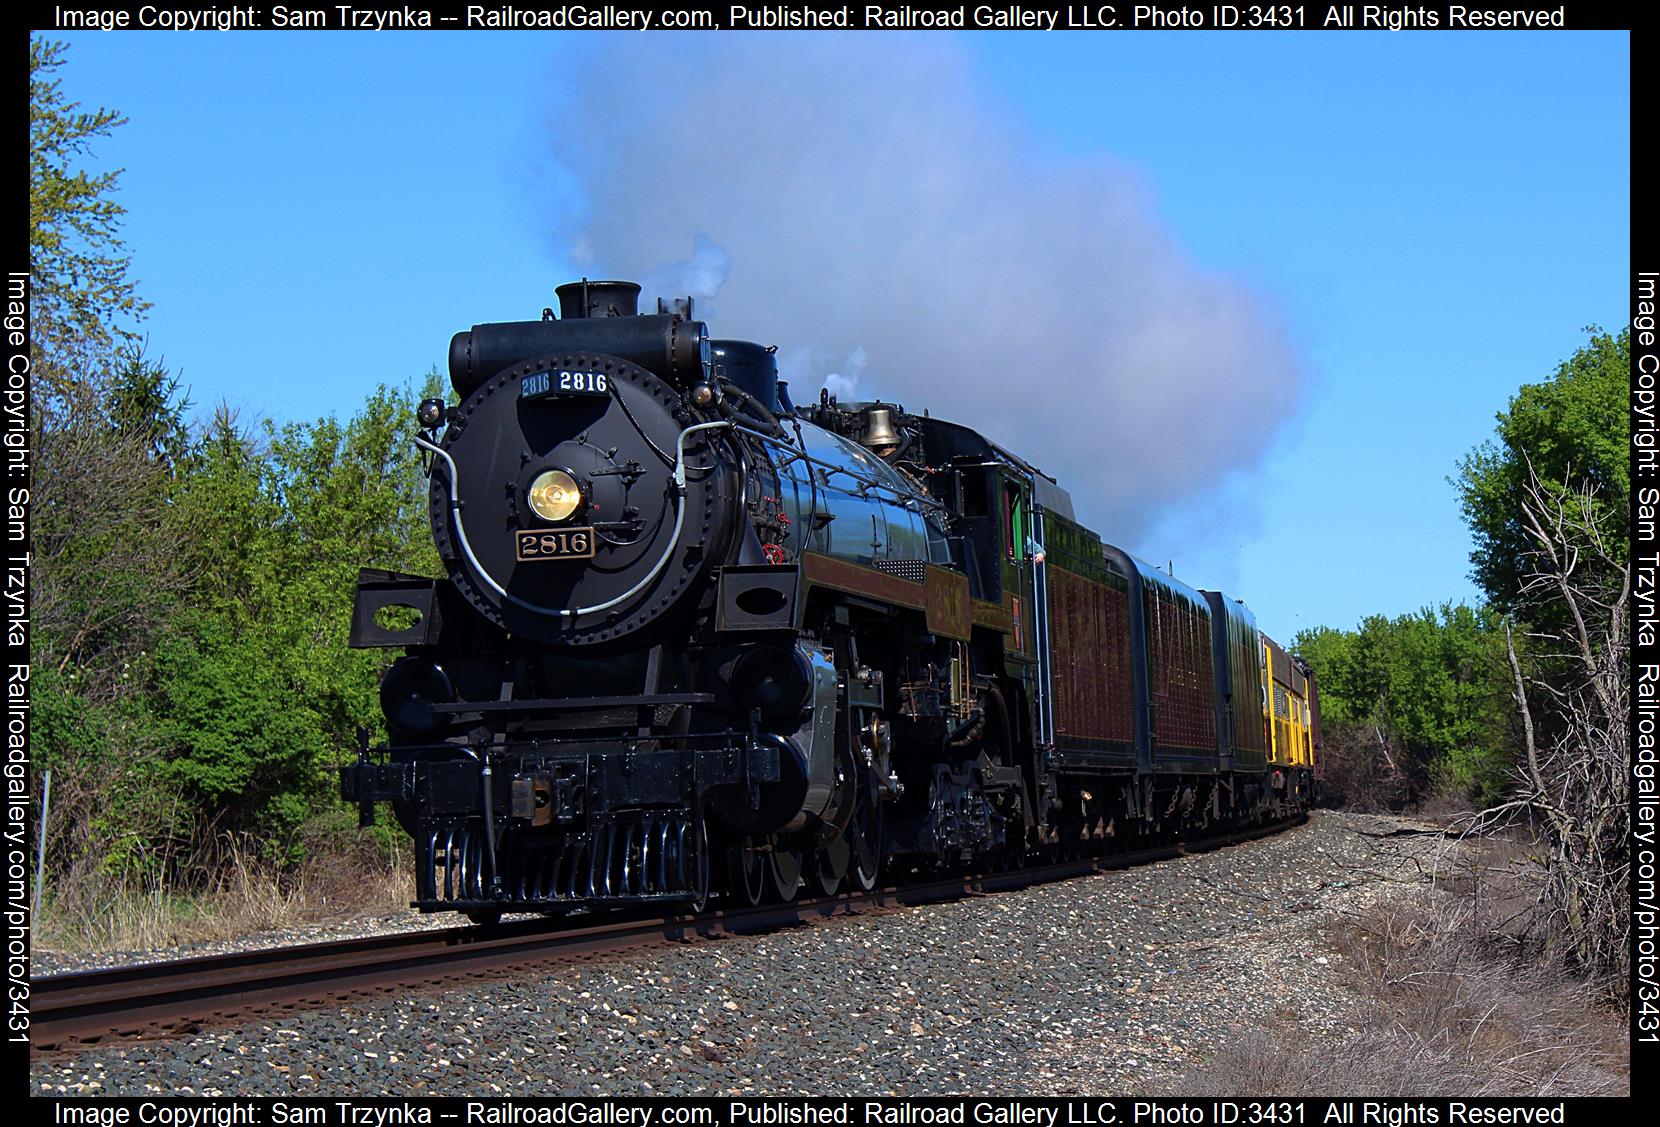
[1571,694]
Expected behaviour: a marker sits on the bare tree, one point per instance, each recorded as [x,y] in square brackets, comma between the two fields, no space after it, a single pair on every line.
[1571,688]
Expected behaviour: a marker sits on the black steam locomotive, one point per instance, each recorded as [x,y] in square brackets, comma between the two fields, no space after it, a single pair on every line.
[696,641]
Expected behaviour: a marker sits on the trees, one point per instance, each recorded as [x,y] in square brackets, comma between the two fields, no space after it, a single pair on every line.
[108,422]
[196,669]
[1571,686]
[107,570]
[1548,502]
[1574,430]
[1422,702]
[82,290]
[193,581]
[192,584]
[254,687]
[107,426]
[1414,704]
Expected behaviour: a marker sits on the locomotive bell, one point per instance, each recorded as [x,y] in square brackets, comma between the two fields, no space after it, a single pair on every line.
[879,436]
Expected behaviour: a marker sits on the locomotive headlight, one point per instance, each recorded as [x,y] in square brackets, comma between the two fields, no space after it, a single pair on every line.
[555,495]
[430,413]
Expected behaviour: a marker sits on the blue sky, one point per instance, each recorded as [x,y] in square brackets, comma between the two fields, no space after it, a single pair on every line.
[1429,219]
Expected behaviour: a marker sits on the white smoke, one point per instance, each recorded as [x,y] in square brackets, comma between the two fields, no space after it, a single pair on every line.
[700,276]
[844,382]
[867,205]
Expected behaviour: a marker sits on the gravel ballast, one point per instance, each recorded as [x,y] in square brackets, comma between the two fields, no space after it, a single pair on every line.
[1118,982]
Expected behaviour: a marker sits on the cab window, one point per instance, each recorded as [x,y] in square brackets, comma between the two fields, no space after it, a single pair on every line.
[1014,523]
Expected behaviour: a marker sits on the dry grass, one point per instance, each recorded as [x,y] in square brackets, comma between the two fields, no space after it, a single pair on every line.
[239,896]
[1455,998]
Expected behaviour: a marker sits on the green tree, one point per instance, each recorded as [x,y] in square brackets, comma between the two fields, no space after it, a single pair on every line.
[107,426]
[1420,700]
[192,585]
[1574,430]
[240,738]
[256,689]
[108,422]
[83,297]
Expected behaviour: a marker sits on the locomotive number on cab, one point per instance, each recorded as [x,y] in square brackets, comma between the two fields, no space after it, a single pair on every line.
[538,384]
[555,544]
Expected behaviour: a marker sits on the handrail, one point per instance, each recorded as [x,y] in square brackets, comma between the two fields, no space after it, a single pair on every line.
[571,612]
[679,479]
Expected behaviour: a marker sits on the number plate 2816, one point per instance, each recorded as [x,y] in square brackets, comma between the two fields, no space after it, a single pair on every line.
[565,382]
[554,544]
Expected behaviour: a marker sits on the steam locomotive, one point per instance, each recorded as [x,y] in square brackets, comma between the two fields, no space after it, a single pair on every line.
[697,642]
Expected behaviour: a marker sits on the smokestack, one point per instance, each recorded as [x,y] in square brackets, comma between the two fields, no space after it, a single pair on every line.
[598,299]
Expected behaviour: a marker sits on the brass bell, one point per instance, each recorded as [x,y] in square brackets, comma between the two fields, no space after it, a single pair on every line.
[880,437]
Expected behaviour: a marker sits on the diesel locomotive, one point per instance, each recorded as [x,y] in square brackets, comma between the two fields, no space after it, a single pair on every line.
[695,641]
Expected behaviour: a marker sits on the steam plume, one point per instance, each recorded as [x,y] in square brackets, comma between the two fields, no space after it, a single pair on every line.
[866,204]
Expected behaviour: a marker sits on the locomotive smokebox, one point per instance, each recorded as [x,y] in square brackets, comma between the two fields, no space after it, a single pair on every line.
[749,367]
[598,299]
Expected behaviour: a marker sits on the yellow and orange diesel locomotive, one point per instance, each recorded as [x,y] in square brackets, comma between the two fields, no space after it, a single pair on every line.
[695,641]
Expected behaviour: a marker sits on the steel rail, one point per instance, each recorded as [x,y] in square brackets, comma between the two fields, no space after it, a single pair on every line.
[147,1000]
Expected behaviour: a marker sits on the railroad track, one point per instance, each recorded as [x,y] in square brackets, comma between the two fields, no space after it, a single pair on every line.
[99,1007]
